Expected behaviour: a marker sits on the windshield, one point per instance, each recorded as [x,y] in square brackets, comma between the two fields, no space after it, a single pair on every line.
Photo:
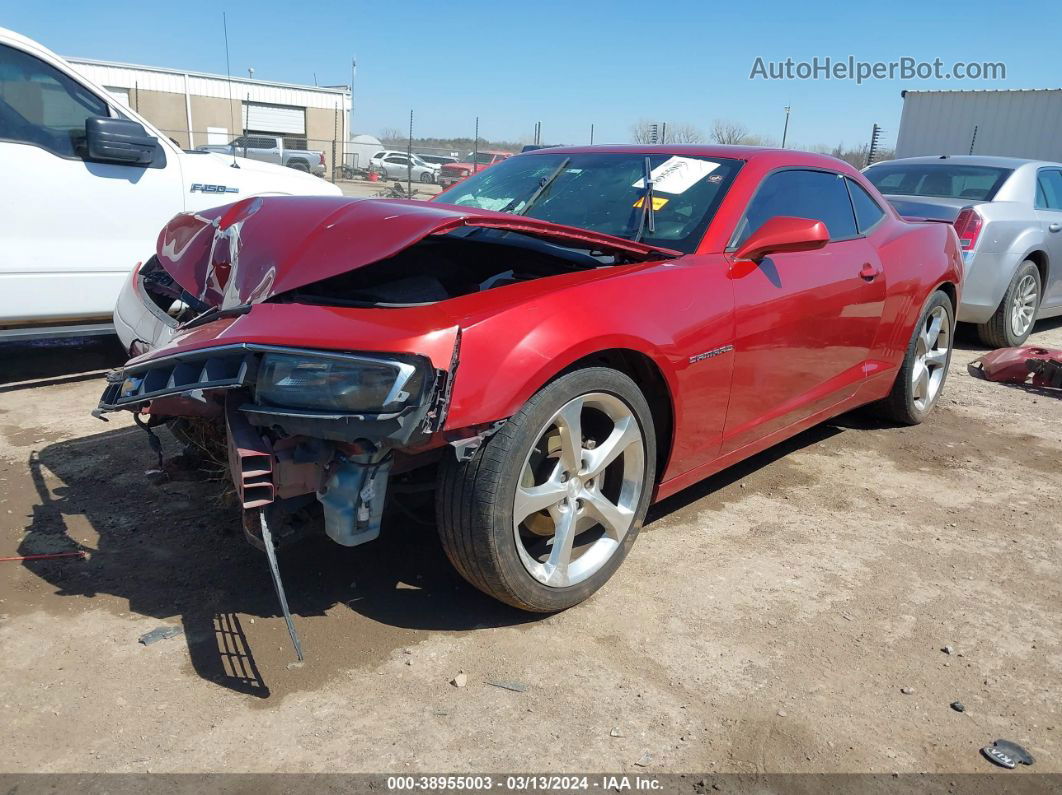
[603,193]
[943,180]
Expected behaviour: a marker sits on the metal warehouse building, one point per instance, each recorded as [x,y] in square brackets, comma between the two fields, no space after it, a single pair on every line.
[1006,123]
[194,108]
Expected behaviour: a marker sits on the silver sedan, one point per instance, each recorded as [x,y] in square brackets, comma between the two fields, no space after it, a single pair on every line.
[1008,214]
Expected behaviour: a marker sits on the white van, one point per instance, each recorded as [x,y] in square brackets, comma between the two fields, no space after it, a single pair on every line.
[86,186]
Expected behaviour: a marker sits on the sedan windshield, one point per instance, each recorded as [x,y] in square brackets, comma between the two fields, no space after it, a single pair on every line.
[943,180]
[604,192]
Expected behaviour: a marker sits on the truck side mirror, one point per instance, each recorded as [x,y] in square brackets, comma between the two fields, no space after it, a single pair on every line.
[119,141]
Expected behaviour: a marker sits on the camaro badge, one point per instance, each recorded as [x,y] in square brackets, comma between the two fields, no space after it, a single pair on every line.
[700,357]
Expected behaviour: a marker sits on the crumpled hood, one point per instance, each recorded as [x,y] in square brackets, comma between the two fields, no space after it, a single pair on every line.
[247,252]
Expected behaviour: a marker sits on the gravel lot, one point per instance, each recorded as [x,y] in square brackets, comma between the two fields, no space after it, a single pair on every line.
[773,618]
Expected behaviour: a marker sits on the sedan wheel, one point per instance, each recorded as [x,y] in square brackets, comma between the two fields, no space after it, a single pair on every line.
[1023,305]
[1013,319]
[549,506]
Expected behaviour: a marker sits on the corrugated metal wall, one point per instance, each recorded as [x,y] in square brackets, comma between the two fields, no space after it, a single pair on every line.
[1009,123]
[151,79]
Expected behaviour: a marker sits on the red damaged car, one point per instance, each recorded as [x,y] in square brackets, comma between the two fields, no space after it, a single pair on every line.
[552,344]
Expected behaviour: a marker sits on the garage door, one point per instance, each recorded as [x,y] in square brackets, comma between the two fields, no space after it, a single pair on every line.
[275,118]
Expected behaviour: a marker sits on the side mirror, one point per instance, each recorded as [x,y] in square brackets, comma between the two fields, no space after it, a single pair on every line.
[781,234]
[119,141]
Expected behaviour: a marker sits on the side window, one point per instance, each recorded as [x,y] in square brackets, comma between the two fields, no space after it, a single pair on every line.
[1049,190]
[819,195]
[42,106]
[377,156]
[868,212]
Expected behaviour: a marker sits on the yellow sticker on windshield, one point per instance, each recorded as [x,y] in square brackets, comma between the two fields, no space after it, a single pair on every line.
[658,202]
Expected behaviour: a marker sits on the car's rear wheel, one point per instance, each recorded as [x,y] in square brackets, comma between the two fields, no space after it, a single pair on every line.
[299,165]
[1013,320]
[924,370]
[548,507]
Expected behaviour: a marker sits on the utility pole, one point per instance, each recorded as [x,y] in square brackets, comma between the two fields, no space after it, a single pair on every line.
[353,72]
[409,158]
[475,149]
[591,134]
[973,139]
[785,129]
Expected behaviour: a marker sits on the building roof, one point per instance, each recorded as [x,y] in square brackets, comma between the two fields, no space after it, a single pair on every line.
[235,79]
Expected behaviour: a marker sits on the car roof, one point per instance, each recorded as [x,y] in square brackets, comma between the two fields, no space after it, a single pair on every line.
[769,156]
[972,160]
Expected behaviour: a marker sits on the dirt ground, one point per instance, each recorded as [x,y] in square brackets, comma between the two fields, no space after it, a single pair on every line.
[770,619]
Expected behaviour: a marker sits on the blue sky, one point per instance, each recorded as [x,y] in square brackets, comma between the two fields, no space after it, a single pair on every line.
[570,64]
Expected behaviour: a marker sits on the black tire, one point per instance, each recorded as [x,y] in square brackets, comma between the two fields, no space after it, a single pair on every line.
[998,332]
[475,499]
[901,406]
[299,165]
[426,178]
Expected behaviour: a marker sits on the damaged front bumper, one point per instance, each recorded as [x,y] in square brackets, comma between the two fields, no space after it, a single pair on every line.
[299,423]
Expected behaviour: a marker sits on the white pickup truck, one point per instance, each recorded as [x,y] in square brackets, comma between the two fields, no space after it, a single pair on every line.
[270,149]
[87,185]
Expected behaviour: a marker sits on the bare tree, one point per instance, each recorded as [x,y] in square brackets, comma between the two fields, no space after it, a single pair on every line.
[683,133]
[642,131]
[391,134]
[729,132]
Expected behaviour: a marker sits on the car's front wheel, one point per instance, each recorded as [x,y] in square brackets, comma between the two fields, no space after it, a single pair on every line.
[548,507]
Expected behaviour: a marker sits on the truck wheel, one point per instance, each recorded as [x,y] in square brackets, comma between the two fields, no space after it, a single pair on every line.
[925,364]
[1013,321]
[548,507]
[299,165]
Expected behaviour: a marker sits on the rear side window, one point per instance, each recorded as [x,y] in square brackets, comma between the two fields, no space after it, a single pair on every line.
[818,195]
[40,105]
[1049,190]
[868,212]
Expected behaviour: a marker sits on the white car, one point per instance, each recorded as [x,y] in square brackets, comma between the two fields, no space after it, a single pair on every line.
[87,185]
[395,165]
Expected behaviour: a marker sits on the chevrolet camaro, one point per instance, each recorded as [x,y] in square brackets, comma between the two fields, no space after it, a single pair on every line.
[547,347]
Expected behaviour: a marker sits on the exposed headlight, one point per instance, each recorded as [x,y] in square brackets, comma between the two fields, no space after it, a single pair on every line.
[337,382]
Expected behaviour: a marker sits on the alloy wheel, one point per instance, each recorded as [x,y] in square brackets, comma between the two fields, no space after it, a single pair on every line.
[579,490]
[1023,307]
[932,349]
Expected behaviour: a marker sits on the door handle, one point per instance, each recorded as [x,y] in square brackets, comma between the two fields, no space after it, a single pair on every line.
[868,272]
[1054,227]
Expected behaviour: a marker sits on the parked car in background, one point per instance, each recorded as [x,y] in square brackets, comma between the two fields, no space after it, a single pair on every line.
[550,345]
[436,160]
[393,164]
[271,149]
[477,161]
[1008,214]
[87,184]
